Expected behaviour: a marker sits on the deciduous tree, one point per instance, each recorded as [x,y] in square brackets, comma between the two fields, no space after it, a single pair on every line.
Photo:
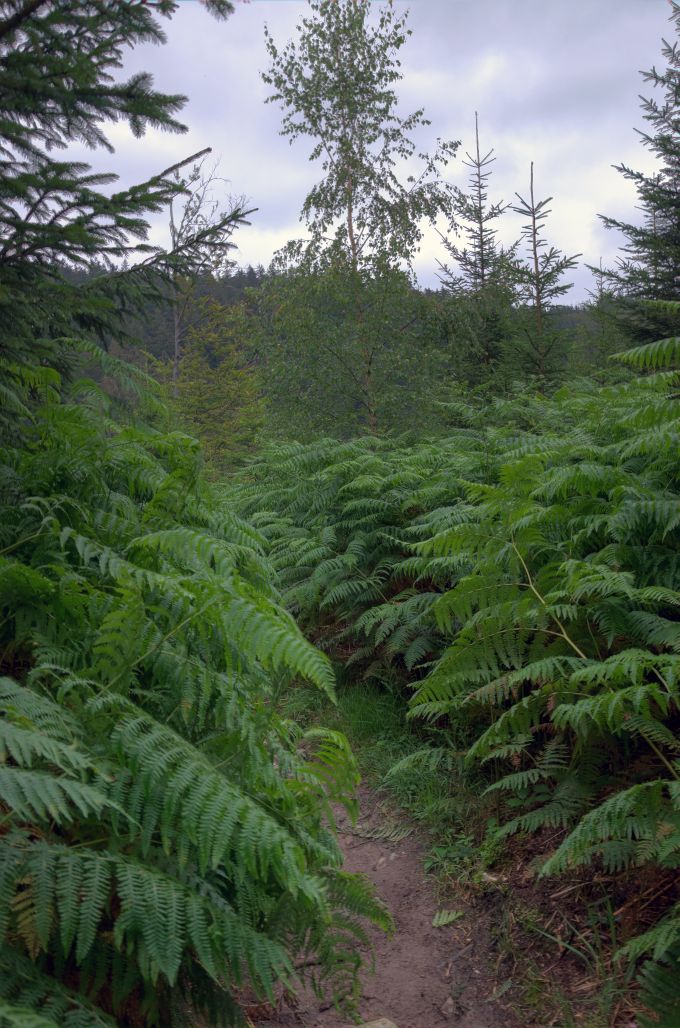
[336,86]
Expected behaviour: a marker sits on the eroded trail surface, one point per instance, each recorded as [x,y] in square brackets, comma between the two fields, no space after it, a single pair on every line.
[425,977]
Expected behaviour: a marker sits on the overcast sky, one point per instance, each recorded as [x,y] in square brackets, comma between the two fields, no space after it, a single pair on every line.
[554,81]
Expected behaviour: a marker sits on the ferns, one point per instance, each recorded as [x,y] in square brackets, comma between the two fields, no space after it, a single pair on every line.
[167,838]
[343,554]
[663,353]
[525,585]
[165,832]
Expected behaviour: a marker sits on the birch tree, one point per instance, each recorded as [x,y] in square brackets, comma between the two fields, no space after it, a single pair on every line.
[336,86]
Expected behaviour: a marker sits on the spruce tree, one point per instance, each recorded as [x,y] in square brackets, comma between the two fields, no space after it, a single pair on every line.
[480,260]
[59,84]
[540,283]
[480,283]
[650,269]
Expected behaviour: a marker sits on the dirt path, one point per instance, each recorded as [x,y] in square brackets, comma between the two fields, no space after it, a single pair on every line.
[425,977]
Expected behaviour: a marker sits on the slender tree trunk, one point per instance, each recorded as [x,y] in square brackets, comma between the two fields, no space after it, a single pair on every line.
[538,306]
[354,253]
[371,414]
[480,213]
[176,318]
[177,341]
[541,362]
[655,253]
[366,353]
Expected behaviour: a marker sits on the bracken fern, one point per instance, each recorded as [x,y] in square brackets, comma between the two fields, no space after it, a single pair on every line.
[165,834]
[523,576]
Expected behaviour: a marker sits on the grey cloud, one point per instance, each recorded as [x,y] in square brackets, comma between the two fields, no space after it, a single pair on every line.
[556,82]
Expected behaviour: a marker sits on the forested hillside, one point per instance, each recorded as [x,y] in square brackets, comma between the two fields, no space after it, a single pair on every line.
[229,495]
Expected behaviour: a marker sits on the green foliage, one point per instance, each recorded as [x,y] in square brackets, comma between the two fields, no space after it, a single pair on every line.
[217,389]
[338,520]
[305,327]
[164,829]
[335,84]
[59,221]
[481,261]
[540,281]
[649,269]
[446,917]
[522,574]
[167,838]
[352,335]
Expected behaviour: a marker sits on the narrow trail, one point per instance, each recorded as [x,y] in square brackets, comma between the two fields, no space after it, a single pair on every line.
[425,977]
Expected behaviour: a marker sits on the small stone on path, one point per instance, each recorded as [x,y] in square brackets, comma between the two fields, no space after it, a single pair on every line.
[382,1022]
[449,1007]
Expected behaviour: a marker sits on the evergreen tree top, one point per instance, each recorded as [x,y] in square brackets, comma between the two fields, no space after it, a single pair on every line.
[61,83]
[58,86]
[649,268]
[480,261]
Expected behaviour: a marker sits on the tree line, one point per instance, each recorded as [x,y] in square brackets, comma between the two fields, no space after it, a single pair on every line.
[336,337]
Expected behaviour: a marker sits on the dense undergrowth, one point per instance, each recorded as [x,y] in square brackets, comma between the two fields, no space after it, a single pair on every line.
[166,842]
[521,577]
[524,926]
[166,813]
[164,834]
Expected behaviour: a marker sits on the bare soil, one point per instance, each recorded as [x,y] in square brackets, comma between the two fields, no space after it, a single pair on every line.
[425,977]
